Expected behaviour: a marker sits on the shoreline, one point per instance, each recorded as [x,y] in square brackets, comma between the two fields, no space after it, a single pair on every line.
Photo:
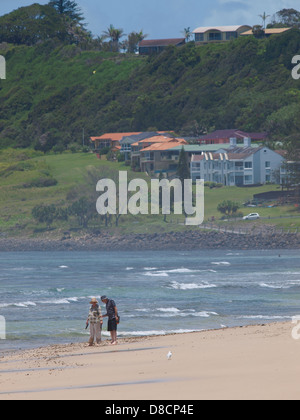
[133,339]
[187,241]
[124,340]
[234,363]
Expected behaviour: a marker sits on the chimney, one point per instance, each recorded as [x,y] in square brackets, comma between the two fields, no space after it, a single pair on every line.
[247,142]
[233,142]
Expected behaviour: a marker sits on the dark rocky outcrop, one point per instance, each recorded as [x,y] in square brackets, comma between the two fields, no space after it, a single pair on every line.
[190,240]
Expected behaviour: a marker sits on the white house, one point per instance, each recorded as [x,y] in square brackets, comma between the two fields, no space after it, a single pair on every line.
[240,166]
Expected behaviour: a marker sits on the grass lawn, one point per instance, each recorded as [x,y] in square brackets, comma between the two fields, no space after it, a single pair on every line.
[19,169]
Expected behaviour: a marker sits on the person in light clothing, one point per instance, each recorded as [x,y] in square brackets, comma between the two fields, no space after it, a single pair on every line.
[95,321]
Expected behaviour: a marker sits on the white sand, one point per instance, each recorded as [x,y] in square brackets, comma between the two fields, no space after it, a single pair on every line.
[255,362]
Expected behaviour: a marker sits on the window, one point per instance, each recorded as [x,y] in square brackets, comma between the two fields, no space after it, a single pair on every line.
[239,166]
[215,36]
[199,37]
[268,165]
[248,179]
[248,165]
[231,35]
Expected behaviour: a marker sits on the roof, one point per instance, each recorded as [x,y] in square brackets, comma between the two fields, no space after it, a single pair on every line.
[160,139]
[156,139]
[193,147]
[237,153]
[271,31]
[282,153]
[233,28]
[142,136]
[113,136]
[233,133]
[161,42]
[161,147]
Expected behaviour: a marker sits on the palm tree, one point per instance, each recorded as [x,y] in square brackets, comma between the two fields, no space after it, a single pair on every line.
[187,33]
[264,17]
[115,35]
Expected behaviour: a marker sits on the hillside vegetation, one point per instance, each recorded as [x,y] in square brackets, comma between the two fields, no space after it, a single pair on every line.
[30,179]
[55,90]
[61,83]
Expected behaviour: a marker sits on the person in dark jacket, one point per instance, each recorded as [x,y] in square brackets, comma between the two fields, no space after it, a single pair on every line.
[113,318]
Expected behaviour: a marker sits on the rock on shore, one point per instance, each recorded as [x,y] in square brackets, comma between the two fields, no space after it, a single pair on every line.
[189,240]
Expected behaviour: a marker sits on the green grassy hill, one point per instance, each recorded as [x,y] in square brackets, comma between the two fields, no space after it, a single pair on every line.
[53,91]
[25,174]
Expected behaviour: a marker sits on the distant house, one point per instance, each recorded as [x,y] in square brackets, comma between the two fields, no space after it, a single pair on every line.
[206,35]
[154,46]
[238,166]
[127,141]
[111,140]
[269,32]
[225,136]
[156,154]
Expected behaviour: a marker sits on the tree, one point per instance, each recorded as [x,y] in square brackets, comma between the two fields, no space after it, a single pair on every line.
[258,31]
[286,18]
[229,208]
[292,166]
[48,214]
[32,24]
[187,33]
[264,17]
[68,8]
[115,35]
[84,209]
[133,41]
[183,171]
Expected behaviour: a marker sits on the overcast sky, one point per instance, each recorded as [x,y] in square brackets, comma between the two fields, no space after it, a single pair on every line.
[166,18]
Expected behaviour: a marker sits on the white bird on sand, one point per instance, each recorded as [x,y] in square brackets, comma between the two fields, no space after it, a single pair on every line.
[169,355]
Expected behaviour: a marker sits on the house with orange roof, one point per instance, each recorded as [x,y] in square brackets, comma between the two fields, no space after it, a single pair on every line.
[111,140]
[157,155]
[128,141]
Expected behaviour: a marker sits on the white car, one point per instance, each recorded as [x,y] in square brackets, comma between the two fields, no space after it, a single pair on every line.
[252,216]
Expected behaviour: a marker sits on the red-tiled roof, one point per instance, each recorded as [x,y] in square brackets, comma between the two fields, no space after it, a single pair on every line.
[161,146]
[114,136]
[160,139]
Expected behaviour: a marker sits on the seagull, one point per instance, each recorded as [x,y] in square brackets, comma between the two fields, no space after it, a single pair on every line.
[169,355]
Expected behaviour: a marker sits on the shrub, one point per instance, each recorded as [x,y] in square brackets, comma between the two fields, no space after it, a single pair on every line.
[229,208]
[42,182]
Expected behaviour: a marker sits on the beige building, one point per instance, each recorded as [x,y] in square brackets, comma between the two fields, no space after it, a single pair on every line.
[206,35]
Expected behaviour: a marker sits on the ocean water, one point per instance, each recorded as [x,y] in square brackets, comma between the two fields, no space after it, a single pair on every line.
[44,297]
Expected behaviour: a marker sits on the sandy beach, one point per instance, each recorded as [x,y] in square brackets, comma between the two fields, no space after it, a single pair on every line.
[253,362]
